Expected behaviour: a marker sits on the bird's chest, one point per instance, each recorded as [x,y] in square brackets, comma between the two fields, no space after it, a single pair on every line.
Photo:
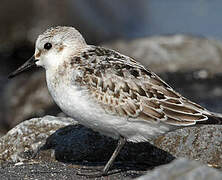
[74,101]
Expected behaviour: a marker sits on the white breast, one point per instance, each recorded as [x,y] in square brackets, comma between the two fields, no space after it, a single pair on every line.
[78,104]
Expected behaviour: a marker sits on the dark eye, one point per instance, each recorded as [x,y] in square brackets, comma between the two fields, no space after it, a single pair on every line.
[47,46]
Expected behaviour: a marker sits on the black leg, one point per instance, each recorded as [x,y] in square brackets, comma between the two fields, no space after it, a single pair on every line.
[109,164]
[121,143]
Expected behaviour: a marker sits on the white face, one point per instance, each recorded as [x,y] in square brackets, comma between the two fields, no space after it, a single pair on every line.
[54,46]
[48,53]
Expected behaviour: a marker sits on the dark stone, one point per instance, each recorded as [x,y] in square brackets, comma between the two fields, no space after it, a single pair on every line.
[181,169]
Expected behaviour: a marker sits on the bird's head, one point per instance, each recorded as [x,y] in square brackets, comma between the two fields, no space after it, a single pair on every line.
[53,47]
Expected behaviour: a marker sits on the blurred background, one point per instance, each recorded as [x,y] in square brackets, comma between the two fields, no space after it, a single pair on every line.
[179,39]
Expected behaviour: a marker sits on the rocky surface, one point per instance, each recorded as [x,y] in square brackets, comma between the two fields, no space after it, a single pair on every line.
[182,169]
[54,171]
[78,147]
[28,136]
[63,140]
[71,143]
[173,53]
[179,169]
[202,143]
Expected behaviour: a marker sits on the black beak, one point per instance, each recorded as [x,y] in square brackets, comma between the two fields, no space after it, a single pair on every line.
[27,65]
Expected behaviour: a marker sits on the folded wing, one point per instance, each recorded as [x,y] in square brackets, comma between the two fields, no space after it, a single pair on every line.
[124,87]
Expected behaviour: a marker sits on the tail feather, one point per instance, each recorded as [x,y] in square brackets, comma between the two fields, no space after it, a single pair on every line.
[213,118]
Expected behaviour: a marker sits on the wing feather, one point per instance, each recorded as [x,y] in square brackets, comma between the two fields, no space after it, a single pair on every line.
[124,87]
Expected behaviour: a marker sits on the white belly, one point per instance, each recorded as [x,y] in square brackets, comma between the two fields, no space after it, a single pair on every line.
[76,103]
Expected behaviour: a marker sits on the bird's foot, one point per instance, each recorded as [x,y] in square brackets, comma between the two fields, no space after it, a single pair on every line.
[96,172]
[91,172]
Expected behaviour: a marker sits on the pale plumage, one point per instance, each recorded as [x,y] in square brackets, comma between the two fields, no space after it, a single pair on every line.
[110,92]
[124,87]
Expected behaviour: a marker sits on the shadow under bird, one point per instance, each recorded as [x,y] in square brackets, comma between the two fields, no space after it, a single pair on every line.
[109,92]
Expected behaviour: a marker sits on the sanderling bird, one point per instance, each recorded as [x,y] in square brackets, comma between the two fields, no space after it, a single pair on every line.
[109,92]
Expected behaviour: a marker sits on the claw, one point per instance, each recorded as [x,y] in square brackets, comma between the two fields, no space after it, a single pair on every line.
[96,173]
[109,164]
[86,168]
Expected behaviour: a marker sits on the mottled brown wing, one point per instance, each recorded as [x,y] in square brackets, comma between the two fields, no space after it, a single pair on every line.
[125,87]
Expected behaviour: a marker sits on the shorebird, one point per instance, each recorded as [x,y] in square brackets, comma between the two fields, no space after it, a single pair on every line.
[109,92]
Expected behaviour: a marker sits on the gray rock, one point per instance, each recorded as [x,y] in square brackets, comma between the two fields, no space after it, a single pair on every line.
[183,169]
[173,53]
[71,143]
[65,140]
[77,143]
[201,143]
[28,136]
